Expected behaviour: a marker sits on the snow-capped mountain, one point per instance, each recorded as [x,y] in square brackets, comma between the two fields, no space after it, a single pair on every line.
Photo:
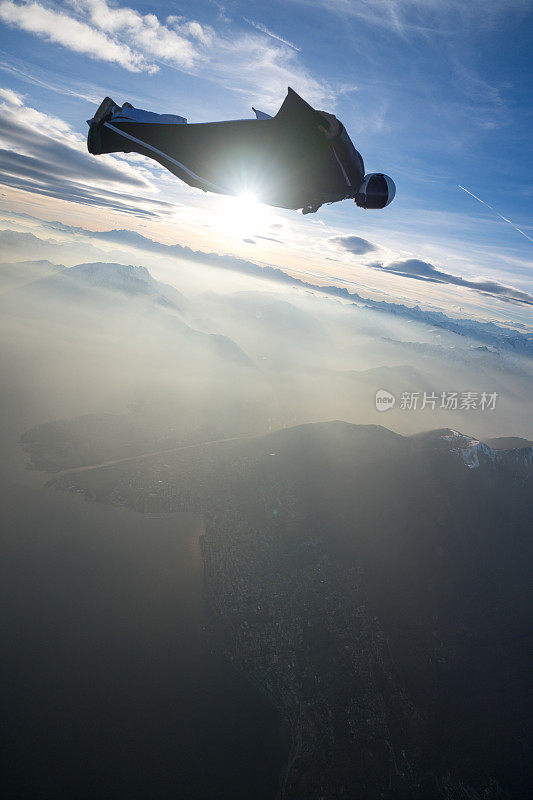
[113,275]
[516,461]
[487,332]
[480,357]
[126,279]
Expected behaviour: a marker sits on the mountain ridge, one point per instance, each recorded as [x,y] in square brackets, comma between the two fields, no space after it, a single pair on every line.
[373,586]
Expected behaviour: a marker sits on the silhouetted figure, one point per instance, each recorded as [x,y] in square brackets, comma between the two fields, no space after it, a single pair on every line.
[301,158]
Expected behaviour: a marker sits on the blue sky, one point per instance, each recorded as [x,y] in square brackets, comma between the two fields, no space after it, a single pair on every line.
[434,92]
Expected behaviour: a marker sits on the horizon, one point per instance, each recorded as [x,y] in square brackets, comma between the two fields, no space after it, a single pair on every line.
[434,245]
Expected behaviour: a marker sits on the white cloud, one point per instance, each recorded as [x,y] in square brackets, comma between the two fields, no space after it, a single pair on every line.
[145,33]
[353,244]
[11,97]
[118,35]
[202,33]
[249,64]
[39,123]
[60,28]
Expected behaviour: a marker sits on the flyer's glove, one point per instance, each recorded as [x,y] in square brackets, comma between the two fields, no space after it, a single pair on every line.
[333,128]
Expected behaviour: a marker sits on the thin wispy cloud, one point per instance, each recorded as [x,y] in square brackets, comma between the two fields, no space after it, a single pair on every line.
[261,70]
[59,86]
[263,28]
[440,17]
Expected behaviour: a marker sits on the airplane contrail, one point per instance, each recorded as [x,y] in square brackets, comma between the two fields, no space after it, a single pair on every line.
[495,212]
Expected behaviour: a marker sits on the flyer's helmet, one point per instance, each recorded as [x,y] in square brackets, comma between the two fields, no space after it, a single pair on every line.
[376,191]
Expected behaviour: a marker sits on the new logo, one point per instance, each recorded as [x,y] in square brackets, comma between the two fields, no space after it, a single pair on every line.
[384,400]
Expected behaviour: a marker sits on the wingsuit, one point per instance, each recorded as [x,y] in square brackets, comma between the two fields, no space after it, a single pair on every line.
[288,160]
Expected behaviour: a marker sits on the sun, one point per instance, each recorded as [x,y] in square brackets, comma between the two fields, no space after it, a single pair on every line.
[243,215]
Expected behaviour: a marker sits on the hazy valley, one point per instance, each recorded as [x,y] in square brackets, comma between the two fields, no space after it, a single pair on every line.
[361,576]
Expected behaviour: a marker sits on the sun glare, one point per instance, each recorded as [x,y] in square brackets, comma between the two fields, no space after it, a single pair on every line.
[243,215]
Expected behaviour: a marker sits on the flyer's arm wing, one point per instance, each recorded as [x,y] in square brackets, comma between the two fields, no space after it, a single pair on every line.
[349,159]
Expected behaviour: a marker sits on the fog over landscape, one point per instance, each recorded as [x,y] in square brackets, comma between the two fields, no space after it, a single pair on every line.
[150,399]
[167,343]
